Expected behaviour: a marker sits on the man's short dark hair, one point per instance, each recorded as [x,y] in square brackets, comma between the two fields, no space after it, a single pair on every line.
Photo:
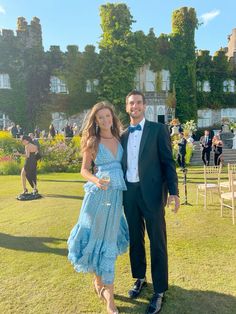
[135,92]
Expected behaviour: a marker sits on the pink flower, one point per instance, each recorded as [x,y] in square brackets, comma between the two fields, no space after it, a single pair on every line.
[5,158]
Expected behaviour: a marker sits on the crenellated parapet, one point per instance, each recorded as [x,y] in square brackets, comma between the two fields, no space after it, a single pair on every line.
[203,53]
[29,35]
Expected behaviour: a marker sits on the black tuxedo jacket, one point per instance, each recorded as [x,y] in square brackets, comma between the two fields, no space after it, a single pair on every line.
[157,172]
[206,145]
[182,146]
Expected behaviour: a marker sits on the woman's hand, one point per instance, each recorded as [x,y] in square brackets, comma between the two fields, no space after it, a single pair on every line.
[17,154]
[102,184]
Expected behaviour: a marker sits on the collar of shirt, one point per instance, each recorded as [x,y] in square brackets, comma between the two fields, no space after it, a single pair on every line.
[141,123]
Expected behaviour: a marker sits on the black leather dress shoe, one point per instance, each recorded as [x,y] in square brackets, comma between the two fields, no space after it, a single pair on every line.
[137,288]
[155,304]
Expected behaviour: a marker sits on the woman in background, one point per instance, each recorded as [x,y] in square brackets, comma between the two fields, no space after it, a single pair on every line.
[217,145]
[29,170]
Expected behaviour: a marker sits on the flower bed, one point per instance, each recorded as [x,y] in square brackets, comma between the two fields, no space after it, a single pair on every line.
[58,154]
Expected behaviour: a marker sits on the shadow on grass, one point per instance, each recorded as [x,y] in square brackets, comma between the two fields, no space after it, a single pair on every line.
[181,301]
[64,196]
[31,244]
[70,181]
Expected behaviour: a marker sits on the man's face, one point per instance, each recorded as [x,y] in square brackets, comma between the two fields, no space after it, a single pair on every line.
[135,107]
[206,133]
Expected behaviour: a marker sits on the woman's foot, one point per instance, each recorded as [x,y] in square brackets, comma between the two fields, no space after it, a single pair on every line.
[35,191]
[25,191]
[97,286]
[106,294]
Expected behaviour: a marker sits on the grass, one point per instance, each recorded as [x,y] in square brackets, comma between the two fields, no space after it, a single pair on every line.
[35,276]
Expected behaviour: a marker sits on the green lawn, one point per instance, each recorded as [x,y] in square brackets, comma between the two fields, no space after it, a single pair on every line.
[35,276]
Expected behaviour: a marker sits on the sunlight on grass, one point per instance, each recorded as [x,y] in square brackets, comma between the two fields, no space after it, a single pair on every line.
[36,276]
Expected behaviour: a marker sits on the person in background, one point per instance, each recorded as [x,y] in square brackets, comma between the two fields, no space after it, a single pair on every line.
[75,129]
[14,130]
[67,130]
[37,132]
[34,140]
[19,131]
[217,145]
[29,169]
[181,150]
[206,146]
[52,131]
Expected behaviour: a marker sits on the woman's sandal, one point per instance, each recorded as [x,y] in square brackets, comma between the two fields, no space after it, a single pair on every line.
[25,192]
[105,301]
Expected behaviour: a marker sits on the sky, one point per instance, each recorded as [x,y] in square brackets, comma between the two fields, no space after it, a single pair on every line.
[77,22]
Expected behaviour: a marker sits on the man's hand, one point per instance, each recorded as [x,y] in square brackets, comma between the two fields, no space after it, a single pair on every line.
[175,199]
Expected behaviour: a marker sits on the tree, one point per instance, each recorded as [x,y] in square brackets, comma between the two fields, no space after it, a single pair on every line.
[37,79]
[117,46]
[184,23]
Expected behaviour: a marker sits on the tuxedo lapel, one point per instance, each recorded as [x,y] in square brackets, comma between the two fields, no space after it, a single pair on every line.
[144,137]
[125,143]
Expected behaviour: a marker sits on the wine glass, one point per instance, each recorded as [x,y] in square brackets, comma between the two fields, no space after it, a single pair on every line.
[106,178]
[172,208]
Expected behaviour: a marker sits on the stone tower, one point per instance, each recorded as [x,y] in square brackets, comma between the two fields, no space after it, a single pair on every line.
[231,53]
[29,35]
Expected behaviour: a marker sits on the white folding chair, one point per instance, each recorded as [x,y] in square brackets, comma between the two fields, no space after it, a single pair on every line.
[228,199]
[227,184]
[211,183]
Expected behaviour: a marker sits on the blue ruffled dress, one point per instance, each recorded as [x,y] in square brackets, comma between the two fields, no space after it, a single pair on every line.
[101,233]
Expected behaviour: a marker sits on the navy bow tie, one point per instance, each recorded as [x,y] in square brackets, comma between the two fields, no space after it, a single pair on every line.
[135,128]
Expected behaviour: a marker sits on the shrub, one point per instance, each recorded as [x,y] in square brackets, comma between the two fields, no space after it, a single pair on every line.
[9,166]
[58,154]
[189,152]
[8,144]
[175,148]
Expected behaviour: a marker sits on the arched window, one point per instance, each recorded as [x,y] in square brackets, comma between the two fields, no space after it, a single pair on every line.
[149,113]
[161,111]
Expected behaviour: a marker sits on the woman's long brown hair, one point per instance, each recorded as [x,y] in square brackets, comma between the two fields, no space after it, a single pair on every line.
[91,132]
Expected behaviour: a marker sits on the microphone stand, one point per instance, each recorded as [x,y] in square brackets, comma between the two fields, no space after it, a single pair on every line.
[185,170]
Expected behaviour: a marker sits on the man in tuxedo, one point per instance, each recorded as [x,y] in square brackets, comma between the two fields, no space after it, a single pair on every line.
[181,150]
[206,145]
[150,173]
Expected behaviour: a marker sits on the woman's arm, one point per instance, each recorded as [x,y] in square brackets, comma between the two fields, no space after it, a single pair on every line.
[27,152]
[86,173]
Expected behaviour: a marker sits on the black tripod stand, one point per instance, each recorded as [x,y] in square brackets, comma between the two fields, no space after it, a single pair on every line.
[185,170]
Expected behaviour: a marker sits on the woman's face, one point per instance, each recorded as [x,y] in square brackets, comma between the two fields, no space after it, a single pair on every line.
[104,119]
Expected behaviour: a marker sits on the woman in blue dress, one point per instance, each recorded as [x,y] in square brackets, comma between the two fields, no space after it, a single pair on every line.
[101,233]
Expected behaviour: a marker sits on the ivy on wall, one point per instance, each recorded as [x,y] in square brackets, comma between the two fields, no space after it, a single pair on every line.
[122,52]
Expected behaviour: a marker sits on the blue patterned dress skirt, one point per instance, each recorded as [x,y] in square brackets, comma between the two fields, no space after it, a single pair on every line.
[101,233]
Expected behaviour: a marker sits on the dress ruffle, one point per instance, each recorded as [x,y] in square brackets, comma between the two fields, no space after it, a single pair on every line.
[96,256]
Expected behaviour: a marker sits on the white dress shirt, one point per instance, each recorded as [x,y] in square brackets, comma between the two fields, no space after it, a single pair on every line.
[133,146]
